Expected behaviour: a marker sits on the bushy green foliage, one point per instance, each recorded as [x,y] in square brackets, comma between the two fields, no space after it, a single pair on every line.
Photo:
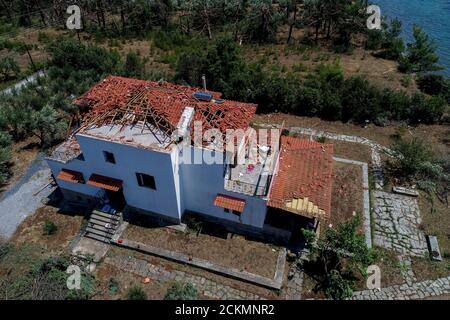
[388,40]
[28,275]
[411,156]
[136,293]
[324,92]
[420,55]
[262,21]
[49,228]
[76,66]
[8,68]
[133,66]
[5,156]
[338,257]
[113,286]
[435,84]
[180,291]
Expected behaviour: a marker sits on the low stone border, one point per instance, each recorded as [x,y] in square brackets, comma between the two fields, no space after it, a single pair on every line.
[366,198]
[209,288]
[274,283]
[418,290]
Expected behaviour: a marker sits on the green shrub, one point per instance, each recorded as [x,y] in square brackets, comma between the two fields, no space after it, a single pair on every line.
[49,227]
[411,155]
[181,291]
[113,286]
[136,293]
[406,80]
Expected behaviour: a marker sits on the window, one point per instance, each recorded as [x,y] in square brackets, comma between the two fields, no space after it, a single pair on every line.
[109,157]
[145,180]
[232,211]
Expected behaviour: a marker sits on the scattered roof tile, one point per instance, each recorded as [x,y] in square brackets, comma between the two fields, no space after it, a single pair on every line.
[166,100]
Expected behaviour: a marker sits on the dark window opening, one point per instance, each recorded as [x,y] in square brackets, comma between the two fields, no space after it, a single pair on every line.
[145,180]
[232,211]
[109,157]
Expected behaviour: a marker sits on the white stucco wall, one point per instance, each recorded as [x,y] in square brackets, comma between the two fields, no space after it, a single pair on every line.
[179,186]
[200,184]
[129,160]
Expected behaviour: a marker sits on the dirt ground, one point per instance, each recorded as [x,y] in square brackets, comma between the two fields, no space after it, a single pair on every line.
[22,155]
[436,221]
[424,269]
[347,192]
[390,268]
[346,150]
[359,61]
[437,136]
[30,230]
[236,252]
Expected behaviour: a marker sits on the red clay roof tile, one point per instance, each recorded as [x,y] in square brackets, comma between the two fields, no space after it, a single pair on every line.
[167,100]
[229,202]
[104,182]
[304,171]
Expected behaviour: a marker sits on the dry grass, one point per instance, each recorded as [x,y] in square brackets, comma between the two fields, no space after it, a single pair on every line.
[436,220]
[22,155]
[347,192]
[155,290]
[390,268]
[425,269]
[30,230]
[381,72]
[437,136]
[170,265]
[236,252]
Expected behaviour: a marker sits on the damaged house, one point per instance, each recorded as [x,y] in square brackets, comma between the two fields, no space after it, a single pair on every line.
[129,150]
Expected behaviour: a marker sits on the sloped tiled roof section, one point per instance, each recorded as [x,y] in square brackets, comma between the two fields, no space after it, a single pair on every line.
[229,202]
[167,100]
[303,182]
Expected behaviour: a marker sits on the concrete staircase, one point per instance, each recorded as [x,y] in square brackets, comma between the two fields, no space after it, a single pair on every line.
[102,226]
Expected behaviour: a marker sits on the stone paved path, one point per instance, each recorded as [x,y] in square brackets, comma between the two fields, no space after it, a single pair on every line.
[206,286]
[295,283]
[397,220]
[418,290]
[406,270]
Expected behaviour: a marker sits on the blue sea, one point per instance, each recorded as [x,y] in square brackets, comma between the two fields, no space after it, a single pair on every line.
[432,15]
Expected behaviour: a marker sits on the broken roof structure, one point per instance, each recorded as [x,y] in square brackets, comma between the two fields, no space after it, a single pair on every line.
[154,107]
[303,182]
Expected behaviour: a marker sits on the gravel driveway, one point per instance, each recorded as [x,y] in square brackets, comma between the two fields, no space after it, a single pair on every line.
[25,197]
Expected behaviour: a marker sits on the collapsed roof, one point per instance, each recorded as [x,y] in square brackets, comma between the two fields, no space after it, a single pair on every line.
[157,107]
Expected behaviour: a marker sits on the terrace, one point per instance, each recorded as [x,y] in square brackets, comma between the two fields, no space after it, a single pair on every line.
[252,179]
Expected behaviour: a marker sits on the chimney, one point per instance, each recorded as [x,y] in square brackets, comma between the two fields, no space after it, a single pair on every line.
[204,82]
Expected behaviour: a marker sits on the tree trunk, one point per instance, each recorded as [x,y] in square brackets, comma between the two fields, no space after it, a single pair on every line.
[208,27]
[31,59]
[122,18]
[291,27]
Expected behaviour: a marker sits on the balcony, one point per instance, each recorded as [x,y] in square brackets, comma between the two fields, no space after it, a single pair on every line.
[251,179]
